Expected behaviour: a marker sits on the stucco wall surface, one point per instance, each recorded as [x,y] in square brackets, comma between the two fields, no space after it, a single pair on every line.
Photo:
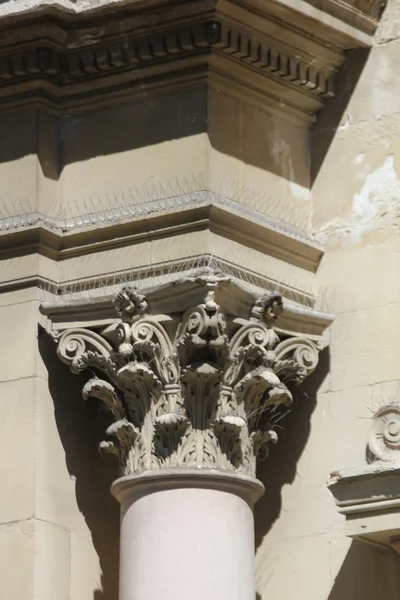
[355,187]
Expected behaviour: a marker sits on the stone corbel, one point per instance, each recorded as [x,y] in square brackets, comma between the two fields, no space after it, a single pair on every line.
[200,385]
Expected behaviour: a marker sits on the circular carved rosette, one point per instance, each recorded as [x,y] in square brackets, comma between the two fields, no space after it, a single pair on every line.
[384,439]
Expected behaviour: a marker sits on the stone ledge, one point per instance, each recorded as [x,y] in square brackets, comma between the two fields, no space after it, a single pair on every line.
[362,15]
[370,499]
[346,20]
[59,239]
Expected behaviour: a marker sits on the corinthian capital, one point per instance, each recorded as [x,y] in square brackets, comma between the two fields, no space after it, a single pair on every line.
[194,386]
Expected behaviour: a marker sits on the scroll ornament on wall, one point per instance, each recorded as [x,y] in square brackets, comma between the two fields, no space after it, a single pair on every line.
[196,389]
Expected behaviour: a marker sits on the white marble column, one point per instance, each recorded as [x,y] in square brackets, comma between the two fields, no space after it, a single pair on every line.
[195,380]
[187,533]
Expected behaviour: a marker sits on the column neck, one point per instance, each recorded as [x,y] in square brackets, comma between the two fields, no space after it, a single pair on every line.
[132,487]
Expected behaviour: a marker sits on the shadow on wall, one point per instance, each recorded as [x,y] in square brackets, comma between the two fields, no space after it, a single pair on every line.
[331,116]
[234,128]
[280,467]
[60,141]
[80,432]
[367,573]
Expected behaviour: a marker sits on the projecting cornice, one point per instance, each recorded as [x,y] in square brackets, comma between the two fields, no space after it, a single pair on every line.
[193,373]
[117,228]
[283,56]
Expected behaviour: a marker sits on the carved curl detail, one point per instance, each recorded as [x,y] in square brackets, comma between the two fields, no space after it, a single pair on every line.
[296,359]
[209,395]
[77,346]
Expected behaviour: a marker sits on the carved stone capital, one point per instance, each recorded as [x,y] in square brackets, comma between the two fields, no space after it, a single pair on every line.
[198,387]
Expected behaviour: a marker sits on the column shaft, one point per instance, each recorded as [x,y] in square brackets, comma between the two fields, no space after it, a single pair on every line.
[187,534]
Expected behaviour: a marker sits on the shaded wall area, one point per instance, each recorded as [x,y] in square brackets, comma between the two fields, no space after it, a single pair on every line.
[156,148]
[299,534]
[367,572]
[80,428]
[280,467]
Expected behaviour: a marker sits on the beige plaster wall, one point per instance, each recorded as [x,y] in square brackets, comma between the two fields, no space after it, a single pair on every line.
[58,523]
[259,160]
[153,149]
[355,188]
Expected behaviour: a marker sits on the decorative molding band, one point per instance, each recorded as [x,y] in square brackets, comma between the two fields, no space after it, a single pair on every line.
[197,385]
[60,72]
[343,22]
[353,491]
[65,66]
[68,65]
[126,225]
[89,300]
[248,488]
[365,16]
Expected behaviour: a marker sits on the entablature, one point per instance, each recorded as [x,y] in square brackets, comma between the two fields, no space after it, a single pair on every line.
[282,55]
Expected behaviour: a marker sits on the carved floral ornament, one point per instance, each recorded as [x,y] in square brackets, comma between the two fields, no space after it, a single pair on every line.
[194,389]
[384,438]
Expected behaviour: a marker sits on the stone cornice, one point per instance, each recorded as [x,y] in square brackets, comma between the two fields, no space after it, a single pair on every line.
[348,11]
[90,233]
[369,498]
[67,65]
[344,21]
[193,373]
[363,15]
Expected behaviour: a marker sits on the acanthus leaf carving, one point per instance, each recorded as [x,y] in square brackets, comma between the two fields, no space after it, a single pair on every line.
[205,391]
[104,391]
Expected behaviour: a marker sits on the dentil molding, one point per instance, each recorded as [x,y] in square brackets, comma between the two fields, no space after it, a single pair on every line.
[202,384]
[281,55]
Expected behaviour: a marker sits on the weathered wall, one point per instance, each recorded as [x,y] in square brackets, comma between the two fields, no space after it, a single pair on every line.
[356,197]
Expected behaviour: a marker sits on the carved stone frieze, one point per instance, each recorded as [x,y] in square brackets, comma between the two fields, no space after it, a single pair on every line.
[198,387]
